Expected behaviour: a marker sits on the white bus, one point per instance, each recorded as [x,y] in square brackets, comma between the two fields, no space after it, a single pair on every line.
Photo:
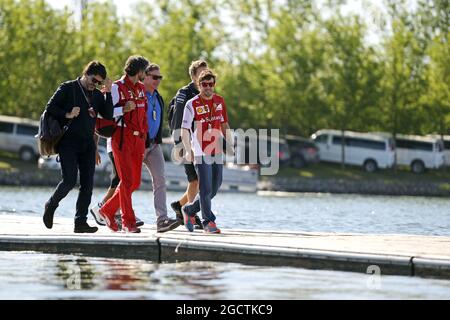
[419,153]
[371,151]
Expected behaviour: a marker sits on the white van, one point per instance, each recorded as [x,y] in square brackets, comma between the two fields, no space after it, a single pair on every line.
[419,152]
[371,151]
[17,135]
[447,151]
[446,147]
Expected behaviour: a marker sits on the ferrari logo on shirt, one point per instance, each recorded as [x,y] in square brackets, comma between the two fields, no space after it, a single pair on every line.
[202,110]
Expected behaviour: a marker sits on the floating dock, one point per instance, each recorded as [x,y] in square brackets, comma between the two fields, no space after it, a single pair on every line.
[408,255]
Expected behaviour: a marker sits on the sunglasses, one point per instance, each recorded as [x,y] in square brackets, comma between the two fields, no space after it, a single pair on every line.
[96,82]
[208,84]
[155,77]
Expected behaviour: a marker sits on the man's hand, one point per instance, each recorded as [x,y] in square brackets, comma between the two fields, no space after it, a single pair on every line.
[129,106]
[74,113]
[106,85]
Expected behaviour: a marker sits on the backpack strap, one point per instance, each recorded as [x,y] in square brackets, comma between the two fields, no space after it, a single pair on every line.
[66,126]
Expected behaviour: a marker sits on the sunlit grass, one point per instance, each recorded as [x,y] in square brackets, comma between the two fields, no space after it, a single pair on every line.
[5,166]
[306,174]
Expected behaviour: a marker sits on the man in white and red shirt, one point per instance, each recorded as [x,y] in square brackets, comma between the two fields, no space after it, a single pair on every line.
[208,112]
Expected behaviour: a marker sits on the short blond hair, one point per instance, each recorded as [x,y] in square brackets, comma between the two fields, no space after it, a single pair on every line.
[195,65]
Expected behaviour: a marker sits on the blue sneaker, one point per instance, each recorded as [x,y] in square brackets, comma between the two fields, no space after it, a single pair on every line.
[189,221]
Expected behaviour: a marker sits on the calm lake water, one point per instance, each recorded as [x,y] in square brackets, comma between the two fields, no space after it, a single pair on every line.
[30,275]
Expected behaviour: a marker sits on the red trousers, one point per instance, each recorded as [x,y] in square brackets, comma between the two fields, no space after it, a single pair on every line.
[129,167]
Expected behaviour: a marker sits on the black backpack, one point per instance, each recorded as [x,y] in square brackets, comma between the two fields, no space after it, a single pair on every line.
[50,132]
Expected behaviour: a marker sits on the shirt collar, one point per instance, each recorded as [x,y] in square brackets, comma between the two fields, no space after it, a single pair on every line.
[128,82]
[155,93]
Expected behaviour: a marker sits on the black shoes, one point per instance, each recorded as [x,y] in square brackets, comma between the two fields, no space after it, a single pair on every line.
[48,214]
[84,228]
[139,222]
[176,206]
[167,225]
[198,223]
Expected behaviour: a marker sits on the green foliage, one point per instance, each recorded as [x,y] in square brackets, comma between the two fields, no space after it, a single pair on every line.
[280,64]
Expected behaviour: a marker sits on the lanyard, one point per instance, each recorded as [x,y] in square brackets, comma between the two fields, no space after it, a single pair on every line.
[153,105]
[84,94]
[211,111]
[91,110]
[132,91]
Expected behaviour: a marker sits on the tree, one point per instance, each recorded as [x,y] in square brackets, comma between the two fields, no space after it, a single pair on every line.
[31,61]
[352,76]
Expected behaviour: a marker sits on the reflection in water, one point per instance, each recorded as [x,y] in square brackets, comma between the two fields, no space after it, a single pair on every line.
[88,273]
[200,278]
[76,273]
[127,275]
[31,275]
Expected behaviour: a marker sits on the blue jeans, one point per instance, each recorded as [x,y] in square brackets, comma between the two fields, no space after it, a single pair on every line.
[210,180]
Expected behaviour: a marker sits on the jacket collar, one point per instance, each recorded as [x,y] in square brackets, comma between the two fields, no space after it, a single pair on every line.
[126,80]
[192,87]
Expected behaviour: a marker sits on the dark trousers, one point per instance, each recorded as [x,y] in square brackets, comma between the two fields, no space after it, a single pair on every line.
[76,155]
[210,180]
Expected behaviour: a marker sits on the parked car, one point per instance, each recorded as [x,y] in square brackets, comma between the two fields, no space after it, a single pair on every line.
[54,164]
[302,151]
[256,150]
[17,135]
[371,151]
[419,153]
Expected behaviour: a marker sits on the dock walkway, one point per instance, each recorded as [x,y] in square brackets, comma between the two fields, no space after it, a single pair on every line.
[410,255]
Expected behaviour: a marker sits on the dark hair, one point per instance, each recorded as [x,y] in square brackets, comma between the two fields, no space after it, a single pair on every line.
[195,65]
[95,68]
[151,67]
[206,75]
[135,64]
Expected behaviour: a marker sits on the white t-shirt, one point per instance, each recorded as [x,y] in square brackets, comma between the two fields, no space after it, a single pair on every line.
[108,145]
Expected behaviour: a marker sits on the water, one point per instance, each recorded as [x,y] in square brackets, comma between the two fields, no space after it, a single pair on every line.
[30,275]
[76,277]
[276,211]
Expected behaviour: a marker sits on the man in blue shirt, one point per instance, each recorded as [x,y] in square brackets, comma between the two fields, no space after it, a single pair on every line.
[153,157]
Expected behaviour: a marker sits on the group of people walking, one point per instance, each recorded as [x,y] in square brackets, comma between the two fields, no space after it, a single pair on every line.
[199,123]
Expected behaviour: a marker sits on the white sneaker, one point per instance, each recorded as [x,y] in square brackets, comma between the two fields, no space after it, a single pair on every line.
[95,213]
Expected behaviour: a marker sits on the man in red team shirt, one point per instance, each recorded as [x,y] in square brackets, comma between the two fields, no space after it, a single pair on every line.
[128,142]
[208,112]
